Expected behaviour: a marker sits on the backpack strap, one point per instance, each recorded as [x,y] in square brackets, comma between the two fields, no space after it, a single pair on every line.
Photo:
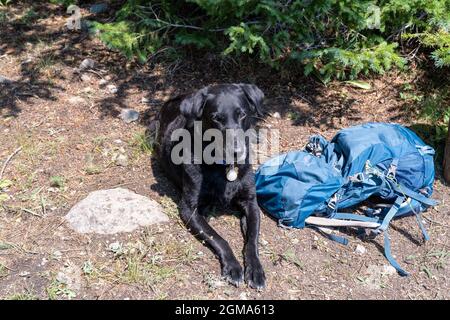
[387,242]
[426,237]
[390,258]
[390,214]
[327,233]
[401,189]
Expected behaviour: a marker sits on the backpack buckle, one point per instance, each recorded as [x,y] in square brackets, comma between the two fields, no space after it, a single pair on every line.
[332,204]
[392,170]
[314,147]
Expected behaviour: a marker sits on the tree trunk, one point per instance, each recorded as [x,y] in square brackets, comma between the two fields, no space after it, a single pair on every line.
[447,157]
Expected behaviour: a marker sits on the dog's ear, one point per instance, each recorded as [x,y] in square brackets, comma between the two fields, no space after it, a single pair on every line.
[192,106]
[255,98]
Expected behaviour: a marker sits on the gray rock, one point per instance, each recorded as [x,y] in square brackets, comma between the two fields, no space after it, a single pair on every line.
[76,100]
[102,83]
[85,78]
[98,8]
[4,80]
[26,61]
[129,115]
[276,115]
[121,160]
[112,88]
[114,211]
[87,64]
[360,249]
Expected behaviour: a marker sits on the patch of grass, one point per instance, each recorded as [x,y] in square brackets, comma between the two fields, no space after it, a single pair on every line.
[31,149]
[3,271]
[46,62]
[4,184]
[58,289]
[29,17]
[294,116]
[22,296]
[141,143]
[170,207]
[92,169]
[290,256]
[4,3]
[4,19]
[141,272]
[99,141]
[57,182]
[440,258]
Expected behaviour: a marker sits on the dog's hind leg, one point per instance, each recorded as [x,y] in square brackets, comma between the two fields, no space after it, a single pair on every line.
[199,227]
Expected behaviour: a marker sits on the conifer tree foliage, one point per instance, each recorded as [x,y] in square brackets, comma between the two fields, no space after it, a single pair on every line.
[334,39]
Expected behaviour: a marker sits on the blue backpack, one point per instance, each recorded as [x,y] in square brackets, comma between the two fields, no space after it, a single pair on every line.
[387,161]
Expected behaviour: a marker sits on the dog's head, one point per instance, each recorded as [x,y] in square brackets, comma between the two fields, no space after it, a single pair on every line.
[228,108]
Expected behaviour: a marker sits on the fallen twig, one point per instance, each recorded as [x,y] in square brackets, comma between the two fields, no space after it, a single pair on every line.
[31,212]
[8,160]
[434,221]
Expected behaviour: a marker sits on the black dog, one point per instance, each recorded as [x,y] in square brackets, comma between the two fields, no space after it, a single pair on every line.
[222,107]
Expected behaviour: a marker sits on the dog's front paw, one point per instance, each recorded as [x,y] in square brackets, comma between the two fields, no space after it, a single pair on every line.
[232,272]
[254,276]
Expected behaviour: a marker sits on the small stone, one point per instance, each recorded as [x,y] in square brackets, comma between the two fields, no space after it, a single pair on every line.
[61,277]
[145,100]
[44,261]
[129,115]
[98,8]
[360,249]
[112,88]
[122,160]
[243,296]
[26,61]
[75,100]
[85,78]
[276,115]
[57,255]
[389,270]
[263,242]
[118,141]
[102,83]
[87,64]
[24,274]
[115,247]
[295,241]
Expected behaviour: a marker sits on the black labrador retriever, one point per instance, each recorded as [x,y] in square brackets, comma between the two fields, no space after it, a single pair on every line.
[222,107]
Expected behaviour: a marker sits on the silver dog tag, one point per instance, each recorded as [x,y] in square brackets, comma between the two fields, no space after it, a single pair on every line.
[232,173]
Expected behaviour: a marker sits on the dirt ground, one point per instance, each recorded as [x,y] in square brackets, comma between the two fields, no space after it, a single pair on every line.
[68,128]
